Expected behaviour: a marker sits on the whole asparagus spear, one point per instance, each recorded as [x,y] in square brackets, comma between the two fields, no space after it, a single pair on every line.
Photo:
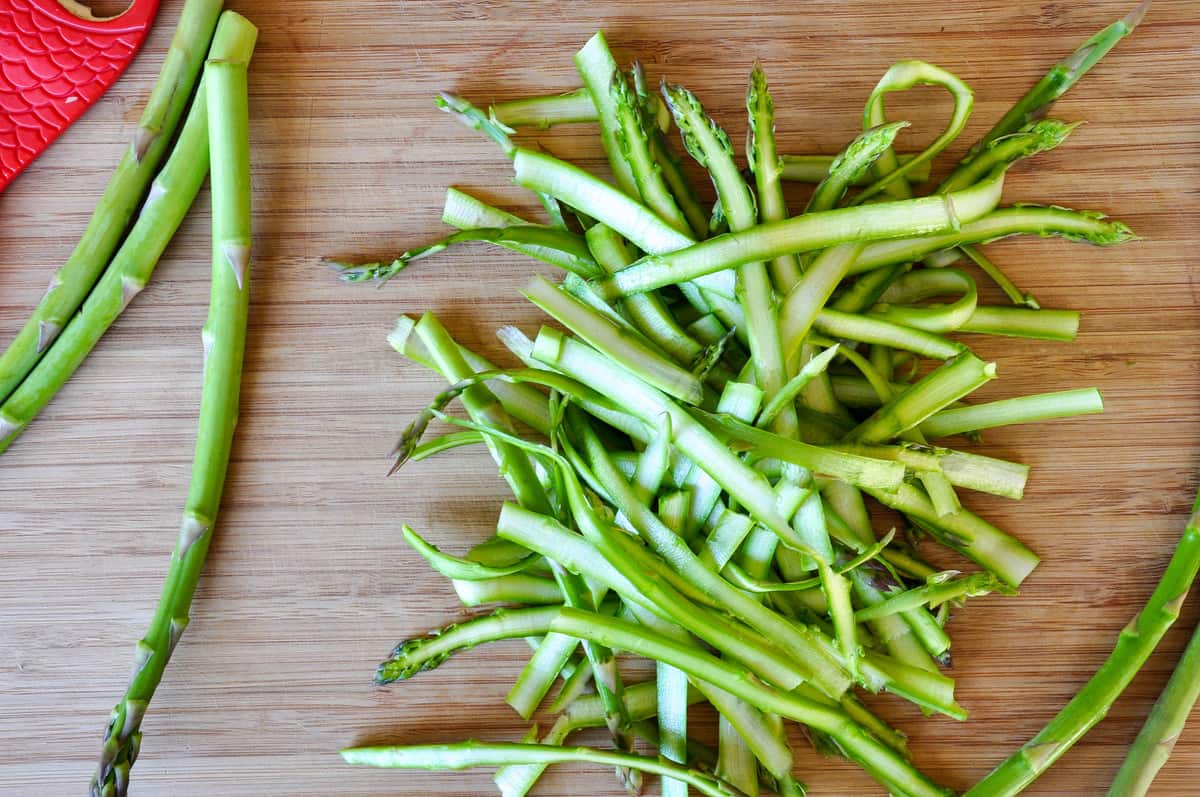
[224,339]
[1135,644]
[171,195]
[71,283]
[1157,739]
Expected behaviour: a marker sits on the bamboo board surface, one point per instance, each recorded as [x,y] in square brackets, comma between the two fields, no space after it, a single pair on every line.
[308,584]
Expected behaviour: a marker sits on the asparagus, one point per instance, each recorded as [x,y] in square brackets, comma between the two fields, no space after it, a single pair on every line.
[478,754]
[224,340]
[171,195]
[1135,643]
[71,283]
[1158,736]
[709,496]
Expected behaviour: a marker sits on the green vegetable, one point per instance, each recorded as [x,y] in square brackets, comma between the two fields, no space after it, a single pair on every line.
[163,112]
[726,392]
[224,338]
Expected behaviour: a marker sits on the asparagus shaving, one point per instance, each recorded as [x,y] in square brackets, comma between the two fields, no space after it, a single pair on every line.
[939,590]
[901,76]
[815,168]
[164,110]
[462,569]
[923,216]
[1025,409]
[556,247]
[545,112]
[1035,102]
[477,754]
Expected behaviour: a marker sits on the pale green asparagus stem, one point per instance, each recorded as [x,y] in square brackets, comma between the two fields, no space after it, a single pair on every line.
[1035,102]
[1025,409]
[1073,225]
[902,219]
[224,340]
[547,111]
[598,70]
[164,109]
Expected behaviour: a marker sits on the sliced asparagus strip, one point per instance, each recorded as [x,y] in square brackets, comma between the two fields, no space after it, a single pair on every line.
[598,70]
[815,168]
[556,247]
[1025,409]
[876,758]
[764,163]
[1073,225]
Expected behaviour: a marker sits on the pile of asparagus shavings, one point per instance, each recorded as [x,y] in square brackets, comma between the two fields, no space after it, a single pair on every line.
[732,386]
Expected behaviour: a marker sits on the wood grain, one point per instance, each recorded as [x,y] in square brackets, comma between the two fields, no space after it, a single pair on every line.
[308,583]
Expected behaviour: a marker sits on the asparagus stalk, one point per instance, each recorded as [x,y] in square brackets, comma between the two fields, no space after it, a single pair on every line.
[224,339]
[171,195]
[71,283]
[1158,736]
[1135,643]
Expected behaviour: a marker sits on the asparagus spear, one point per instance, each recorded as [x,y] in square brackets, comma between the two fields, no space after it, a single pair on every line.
[1135,643]
[224,340]
[71,283]
[1163,727]
[171,195]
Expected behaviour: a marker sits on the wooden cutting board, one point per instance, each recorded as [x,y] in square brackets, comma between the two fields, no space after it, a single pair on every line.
[308,583]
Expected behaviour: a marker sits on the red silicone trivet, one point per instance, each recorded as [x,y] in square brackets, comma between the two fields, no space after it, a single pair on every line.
[53,65]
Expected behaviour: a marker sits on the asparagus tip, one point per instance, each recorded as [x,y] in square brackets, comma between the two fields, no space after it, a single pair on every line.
[47,332]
